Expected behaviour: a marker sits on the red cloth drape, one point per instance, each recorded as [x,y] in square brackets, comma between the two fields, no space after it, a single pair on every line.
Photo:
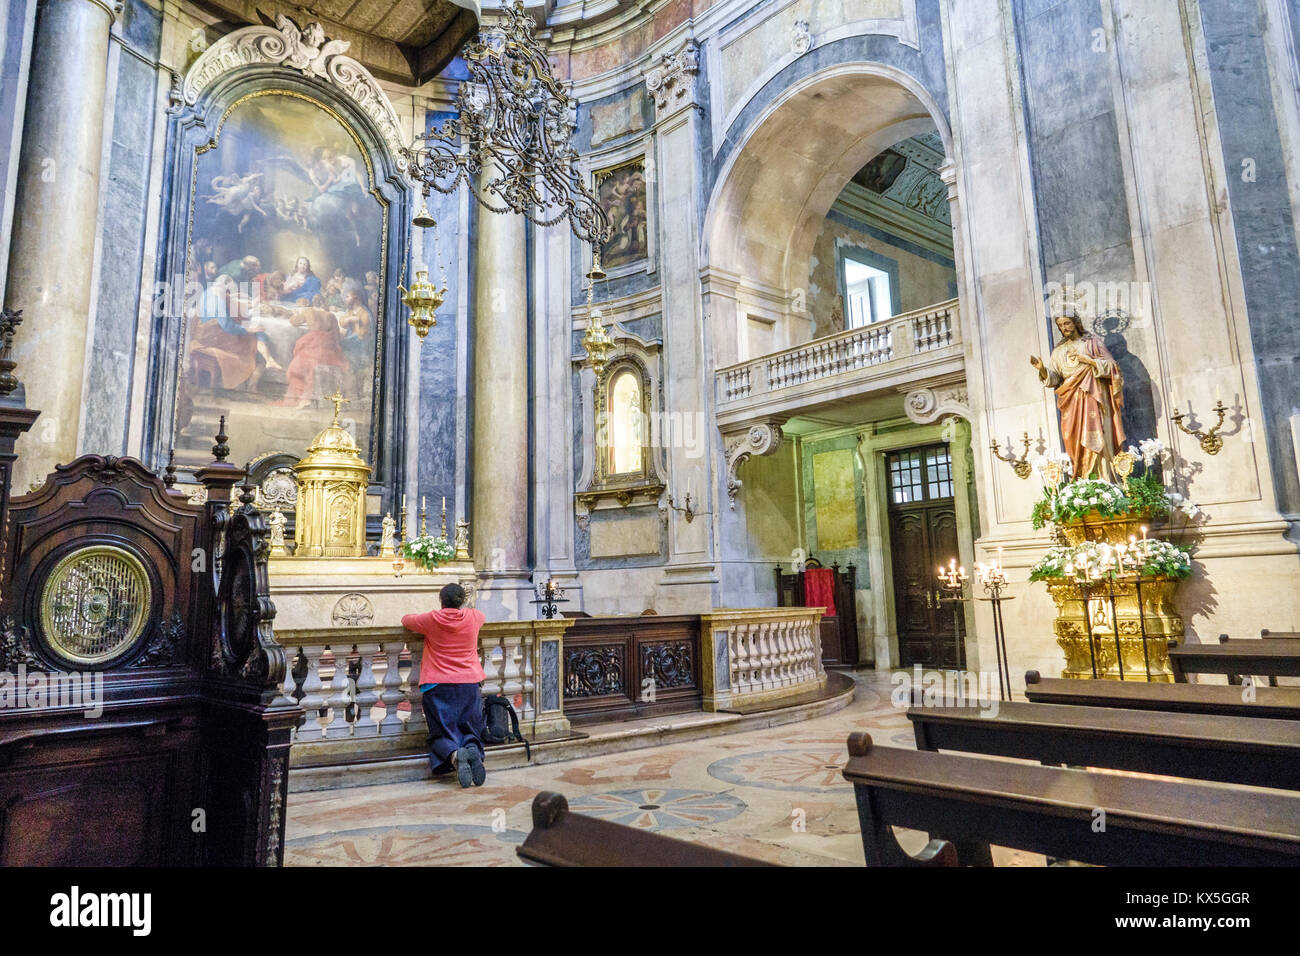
[819,589]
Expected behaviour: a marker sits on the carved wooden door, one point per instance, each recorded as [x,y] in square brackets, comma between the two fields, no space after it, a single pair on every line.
[923,536]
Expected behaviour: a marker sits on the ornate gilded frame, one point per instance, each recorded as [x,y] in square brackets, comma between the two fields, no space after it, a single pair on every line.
[195,129]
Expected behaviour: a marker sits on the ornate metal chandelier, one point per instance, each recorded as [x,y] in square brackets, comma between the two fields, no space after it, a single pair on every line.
[511,142]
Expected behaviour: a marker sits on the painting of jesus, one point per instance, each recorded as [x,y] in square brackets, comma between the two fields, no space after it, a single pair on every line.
[283,261]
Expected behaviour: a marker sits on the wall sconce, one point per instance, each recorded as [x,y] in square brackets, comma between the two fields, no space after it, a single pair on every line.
[1211,441]
[1020,465]
[688,512]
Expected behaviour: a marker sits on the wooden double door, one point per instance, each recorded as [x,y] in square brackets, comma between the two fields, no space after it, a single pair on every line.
[922,537]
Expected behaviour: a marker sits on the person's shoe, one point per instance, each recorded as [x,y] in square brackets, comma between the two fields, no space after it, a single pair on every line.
[465,766]
[477,771]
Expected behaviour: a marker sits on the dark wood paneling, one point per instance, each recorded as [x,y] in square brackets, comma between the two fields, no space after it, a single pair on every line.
[609,663]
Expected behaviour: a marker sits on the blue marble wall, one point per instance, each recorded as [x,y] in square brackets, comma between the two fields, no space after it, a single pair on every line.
[439,360]
[125,190]
[550,675]
[1261,215]
[1078,176]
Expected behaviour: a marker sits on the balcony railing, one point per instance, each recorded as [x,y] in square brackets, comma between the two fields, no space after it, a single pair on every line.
[895,345]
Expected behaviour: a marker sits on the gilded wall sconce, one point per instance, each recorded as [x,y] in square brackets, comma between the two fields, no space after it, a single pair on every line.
[1020,465]
[1211,441]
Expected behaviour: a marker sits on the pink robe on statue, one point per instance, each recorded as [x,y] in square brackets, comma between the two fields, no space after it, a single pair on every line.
[1091,404]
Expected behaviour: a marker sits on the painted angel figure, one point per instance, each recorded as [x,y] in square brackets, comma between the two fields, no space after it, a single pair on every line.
[1090,396]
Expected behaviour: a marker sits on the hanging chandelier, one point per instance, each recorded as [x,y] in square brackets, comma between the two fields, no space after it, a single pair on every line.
[511,141]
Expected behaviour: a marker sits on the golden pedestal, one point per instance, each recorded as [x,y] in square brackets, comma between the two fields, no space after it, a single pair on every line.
[1158,616]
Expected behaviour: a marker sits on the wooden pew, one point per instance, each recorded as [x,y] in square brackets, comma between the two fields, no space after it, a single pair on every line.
[1273,658]
[1273,702]
[1054,812]
[562,838]
[1260,753]
[1291,637]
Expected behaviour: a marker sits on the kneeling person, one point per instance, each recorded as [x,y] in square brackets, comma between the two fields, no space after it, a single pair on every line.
[450,675]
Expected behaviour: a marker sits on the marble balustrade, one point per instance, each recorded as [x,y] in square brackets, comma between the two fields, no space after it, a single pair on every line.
[885,354]
[760,655]
[360,685]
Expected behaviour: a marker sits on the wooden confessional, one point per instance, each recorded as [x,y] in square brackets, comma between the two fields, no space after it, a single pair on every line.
[111,579]
[839,631]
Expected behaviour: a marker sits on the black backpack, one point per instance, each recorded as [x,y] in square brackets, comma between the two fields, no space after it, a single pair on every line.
[501,723]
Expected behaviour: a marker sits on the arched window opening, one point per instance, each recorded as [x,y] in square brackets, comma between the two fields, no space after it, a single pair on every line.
[626,441]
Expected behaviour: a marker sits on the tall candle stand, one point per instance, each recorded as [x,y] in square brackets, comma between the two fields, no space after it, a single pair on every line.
[424,530]
[549,594]
[994,580]
[1083,577]
[953,580]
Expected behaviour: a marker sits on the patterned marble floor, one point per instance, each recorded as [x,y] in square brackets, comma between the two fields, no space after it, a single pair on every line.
[775,793]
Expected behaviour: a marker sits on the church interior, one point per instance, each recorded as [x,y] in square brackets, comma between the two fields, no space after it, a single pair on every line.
[868,429]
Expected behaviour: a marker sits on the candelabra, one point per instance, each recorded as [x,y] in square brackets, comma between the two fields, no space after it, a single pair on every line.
[994,580]
[1020,465]
[549,594]
[424,529]
[953,579]
[1211,441]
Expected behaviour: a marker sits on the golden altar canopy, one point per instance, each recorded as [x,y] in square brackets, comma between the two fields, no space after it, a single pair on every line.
[332,482]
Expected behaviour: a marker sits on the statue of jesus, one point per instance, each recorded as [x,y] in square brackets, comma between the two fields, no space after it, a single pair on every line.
[1090,396]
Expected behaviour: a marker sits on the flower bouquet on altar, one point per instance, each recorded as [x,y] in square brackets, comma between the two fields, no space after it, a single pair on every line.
[427,551]
[1107,577]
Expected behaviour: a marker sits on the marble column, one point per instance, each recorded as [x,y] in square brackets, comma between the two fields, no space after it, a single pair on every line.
[51,256]
[500,439]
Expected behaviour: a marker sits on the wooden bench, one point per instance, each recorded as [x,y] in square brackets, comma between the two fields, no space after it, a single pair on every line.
[562,838]
[1272,658]
[1291,637]
[1273,702]
[1054,812]
[1260,753]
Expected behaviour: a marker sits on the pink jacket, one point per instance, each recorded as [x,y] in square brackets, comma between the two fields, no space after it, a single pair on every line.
[450,644]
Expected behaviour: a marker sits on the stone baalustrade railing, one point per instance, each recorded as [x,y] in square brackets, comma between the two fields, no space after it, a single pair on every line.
[360,685]
[914,345]
[757,656]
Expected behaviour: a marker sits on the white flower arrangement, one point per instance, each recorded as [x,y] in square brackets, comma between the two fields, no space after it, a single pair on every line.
[428,551]
[1150,450]
[1093,559]
[1181,504]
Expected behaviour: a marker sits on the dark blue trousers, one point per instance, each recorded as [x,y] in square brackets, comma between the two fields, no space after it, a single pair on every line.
[454,713]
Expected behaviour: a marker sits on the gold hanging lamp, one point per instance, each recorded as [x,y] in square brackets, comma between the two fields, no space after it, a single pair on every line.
[423,297]
[596,341]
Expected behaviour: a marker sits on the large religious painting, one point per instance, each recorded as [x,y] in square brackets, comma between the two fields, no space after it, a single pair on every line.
[285,264]
[621,192]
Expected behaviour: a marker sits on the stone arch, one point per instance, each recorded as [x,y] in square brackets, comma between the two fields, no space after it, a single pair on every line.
[773,190]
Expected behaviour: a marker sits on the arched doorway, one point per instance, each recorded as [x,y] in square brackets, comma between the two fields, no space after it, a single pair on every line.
[824,487]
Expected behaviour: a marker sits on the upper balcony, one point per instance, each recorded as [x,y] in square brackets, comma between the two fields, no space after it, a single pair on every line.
[886,356]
